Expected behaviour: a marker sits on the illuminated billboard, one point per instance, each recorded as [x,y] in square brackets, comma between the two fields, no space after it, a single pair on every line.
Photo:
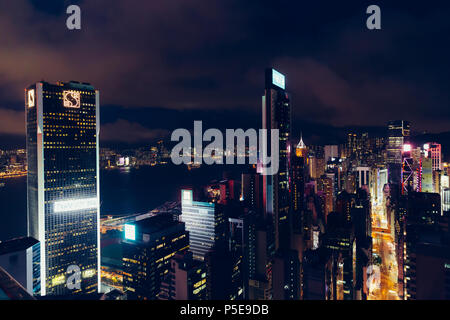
[75,205]
[71,99]
[130,232]
[31,98]
[186,196]
[278,79]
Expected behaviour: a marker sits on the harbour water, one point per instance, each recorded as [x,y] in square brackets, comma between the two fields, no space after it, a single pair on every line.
[124,191]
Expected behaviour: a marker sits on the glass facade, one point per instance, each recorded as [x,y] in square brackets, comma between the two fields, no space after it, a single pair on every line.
[63,184]
[206,225]
[277,115]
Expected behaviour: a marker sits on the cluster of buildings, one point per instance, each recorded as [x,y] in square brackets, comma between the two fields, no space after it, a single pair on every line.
[153,156]
[315,230]
[13,163]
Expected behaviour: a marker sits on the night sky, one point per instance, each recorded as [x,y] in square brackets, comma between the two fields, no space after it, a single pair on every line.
[159,65]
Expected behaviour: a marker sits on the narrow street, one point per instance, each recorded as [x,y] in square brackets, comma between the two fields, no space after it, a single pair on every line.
[384,286]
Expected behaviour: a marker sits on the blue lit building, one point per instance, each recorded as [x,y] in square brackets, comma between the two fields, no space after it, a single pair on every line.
[148,246]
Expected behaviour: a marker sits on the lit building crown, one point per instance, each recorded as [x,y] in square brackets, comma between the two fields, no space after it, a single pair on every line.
[301,148]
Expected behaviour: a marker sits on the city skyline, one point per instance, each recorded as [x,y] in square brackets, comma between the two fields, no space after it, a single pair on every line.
[232,151]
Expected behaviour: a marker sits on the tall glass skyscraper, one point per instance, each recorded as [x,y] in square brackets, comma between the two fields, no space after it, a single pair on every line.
[204,221]
[277,115]
[398,133]
[63,185]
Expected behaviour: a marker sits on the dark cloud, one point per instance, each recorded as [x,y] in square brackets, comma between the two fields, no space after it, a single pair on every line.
[150,57]
[125,131]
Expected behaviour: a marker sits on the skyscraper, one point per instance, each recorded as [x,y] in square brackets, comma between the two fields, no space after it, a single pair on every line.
[433,151]
[276,110]
[204,221]
[148,246]
[63,185]
[298,164]
[398,133]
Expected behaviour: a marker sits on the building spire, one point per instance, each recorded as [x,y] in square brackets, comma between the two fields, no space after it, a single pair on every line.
[301,144]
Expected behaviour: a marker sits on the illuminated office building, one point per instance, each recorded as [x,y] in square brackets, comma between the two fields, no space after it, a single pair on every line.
[331,152]
[398,133]
[427,175]
[433,151]
[63,184]
[204,221]
[186,279]
[277,115]
[298,172]
[148,246]
[362,176]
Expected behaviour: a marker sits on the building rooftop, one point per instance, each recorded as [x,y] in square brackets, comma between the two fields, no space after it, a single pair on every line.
[156,223]
[16,244]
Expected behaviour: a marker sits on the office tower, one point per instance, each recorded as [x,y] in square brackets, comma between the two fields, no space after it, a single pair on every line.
[429,269]
[316,167]
[398,133]
[421,215]
[242,246]
[362,226]
[20,258]
[260,286]
[445,200]
[286,275]
[322,275]
[340,239]
[380,179]
[331,152]
[205,222]
[148,246]
[276,111]
[407,174]
[434,152]
[427,175]
[351,144]
[63,184]
[325,185]
[298,170]
[186,279]
[344,204]
[361,215]
[251,190]
[362,176]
